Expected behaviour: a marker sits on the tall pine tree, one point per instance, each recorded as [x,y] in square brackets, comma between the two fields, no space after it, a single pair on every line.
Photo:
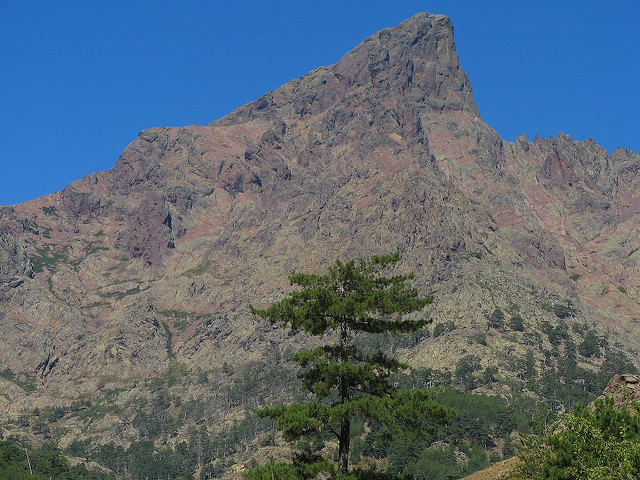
[353,299]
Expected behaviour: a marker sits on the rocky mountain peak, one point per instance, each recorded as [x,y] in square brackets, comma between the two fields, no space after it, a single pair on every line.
[415,62]
[154,262]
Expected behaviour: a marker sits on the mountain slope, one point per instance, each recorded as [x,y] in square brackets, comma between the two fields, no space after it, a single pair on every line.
[531,248]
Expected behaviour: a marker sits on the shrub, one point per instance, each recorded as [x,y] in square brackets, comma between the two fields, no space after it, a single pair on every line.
[603,444]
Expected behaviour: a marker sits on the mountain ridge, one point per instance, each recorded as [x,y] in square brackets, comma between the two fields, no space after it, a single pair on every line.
[126,273]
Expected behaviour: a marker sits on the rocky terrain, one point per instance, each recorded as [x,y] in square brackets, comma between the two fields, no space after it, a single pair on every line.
[146,271]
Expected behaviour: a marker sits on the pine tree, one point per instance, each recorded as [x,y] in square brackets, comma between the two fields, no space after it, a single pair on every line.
[352,300]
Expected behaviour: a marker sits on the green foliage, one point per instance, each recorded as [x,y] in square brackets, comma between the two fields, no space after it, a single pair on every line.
[95,411]
[49,256]
[598,445]
[490,374]
[50,210]
[372,475]
[313,467]
[94,247]
[19,461]
[227,369]
[465,368]
[516,323]
[169,344]
[442,328]
[564,311]
[27,385]
[590,346]
[141,460]
[508,449]
[437,464]
[159,416]
[181,319]
[353,298]
[120,295]
[557,334]
[273,471]
[486,421]
[305,465]
[496,319]
[481,424]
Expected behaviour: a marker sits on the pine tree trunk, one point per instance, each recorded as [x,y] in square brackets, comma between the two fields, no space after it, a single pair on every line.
[344,444]
[345,424]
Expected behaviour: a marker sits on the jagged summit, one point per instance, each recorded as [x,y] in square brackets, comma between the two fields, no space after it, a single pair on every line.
[415,60]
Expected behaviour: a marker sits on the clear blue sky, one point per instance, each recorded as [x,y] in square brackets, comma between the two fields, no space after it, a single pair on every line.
[80,79]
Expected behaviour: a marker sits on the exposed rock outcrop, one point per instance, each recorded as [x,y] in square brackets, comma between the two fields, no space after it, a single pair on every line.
[624,389]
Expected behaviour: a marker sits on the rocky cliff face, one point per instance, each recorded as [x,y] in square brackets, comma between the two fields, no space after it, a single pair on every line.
[153,263]
[624,389]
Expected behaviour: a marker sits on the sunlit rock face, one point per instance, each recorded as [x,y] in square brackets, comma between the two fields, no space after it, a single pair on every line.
[128,271]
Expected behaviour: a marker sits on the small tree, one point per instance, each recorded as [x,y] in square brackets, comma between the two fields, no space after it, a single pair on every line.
[352,299]
[590,346]
[496,319]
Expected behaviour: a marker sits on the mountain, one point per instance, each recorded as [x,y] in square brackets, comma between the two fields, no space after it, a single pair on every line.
[146,271]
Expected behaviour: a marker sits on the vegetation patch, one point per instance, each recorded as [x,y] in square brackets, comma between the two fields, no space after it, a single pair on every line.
[97,304]
[27,385]
[496,319]
[593,443]
[198,270]
[481,433]
[120,295]
[97,411]
[444,327]
[487,249]
[169,345]
[94,247]
[561,310]
[22,461]
[181,319]
[49,256]
[50,211]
